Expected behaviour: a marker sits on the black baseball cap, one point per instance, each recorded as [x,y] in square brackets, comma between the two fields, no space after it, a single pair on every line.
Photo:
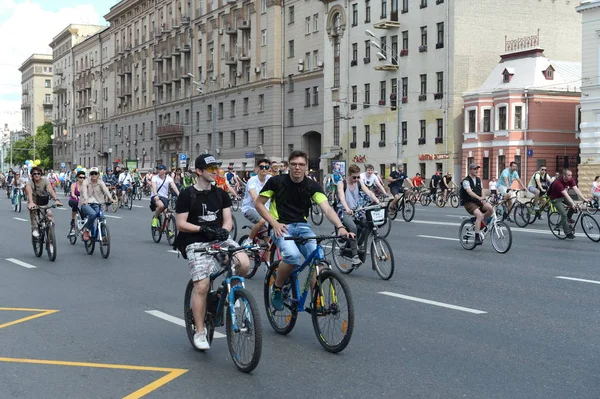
[206,160]
[161,167]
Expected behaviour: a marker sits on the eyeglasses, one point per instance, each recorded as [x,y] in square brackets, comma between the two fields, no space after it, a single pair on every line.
[36,174]
[82,177]
[297,165]
[544,169]
[212,169]
[356,177]
[264,167]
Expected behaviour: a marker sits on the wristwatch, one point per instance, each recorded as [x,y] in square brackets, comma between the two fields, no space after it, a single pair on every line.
[341,227]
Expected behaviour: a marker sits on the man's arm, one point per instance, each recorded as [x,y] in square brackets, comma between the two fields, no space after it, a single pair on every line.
[227,219]
[342,195]
[259,205]
[174,187]
[579,193]
[370,193]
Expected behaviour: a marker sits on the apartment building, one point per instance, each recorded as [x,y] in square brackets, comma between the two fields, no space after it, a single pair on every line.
[396,71]
[36,81]
[64,93]
[589,166]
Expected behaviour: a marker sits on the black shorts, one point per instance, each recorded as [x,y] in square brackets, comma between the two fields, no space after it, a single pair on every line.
[396,190]
[164,200]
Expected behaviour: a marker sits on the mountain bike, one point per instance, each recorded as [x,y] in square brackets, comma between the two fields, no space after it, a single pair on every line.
[129,196]
[330,302]
[500,232]
[527,210]
[403,205]
[229,304]
[588,224]
[17,199]
[166,225]
[380,250]
[45,228]
[441,200]
[266,254]
[316,214]
[99,234]
[520,214]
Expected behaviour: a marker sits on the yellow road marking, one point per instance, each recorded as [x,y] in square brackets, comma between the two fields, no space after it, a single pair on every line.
[42,312]
[172,373]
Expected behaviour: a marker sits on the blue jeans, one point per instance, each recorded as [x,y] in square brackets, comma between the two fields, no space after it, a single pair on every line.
[290,252]
[90,211]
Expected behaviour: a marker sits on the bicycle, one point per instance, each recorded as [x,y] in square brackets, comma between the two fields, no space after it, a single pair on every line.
[137,191]
[316,214]
[100,233]
[234,229]
[406,207]
[231,302]
[45,227]
[592,206]
[417,194]
[129,196]
[328,286]
[452,198]
[501,234]
[380,249]
[235,203]
[588,224]
[17,199]
[114,198]
[520,215]
[172,200]
[260,256]
[527,211]
[167,225]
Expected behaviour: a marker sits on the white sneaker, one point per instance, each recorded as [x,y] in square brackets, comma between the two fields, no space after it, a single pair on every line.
[247,241]
[356,260]
[201,341]
[35,234]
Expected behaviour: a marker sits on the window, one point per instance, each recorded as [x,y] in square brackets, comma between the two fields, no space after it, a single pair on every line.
[423,36]
[315,95]
[246,138]
[367,133]
[210,112]
[290,83]
[246,106]
[47,99]
[382,87]
[354,95]
[263,70]
[47,84]
[232,108]
[355,52]
[395,49]
[209,140]
[307,26]
[486,169]
[383,40]
[316,58]
[440,128]
[220,140]
[440,35]
[307,61]
[518,162]
[404,6]
[487,120]
[502,118]
[307,97]
[261,136]
[423,85]
[472,120]
[291,14]
[367,101]
[440,82]
[263,6]
[261,102]
[367,11]
[220,110]
[336,125]
[291,117]
[423,3]
[404,132]
[404,87]
[501,163]
[518,117]
[394,86]
[263,37]
[383,9]
[316,23]
[291,49]
[336,62]
[368,49]
[232,139]
[354,14]
[382,131]
[354,134]
[423,129]
[405,40]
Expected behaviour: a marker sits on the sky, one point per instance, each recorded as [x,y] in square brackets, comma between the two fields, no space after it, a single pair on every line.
[27,27]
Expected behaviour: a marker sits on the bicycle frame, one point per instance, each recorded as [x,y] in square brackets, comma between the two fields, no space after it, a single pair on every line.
[97,234]
[311,261]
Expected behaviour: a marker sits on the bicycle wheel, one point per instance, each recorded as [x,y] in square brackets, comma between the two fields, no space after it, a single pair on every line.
[254,256]
[139,194]
[235,204]
[440,201]
[393,210]
[171,229]
[341,255]
[188,317]
[73,235]
[18,203]
[408,211]
[115,203]
[466,234]
[425,200]
[590,207]
[38,243]
[454,202]
[501,237]
[316,214]
[51,242]
[90,245]
[332,312]
[590,227]
[381,254]
[233,232]
[157,231]
[282,321]
[104,242]
[245,344]
[555,226]
[385,229]
[129,200]
[521,214]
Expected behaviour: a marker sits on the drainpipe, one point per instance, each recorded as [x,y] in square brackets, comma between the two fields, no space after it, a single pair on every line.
[282,81]
[348,55]
[447,86]
[526,91]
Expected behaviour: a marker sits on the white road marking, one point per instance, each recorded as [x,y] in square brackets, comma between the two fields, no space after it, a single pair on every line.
[18,262]
[113,217]
[20,219]
[176,320]
[457,216]
[578,279]
[172,251]
[429,302]
[138,206]
[439,238]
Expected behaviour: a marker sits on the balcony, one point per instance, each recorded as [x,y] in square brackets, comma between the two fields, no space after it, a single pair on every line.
[423,97]
[353,63]
[165,28]
[366,60]
[366,144]
[386,67]
[439,140]
[127,69]
[47,103]
[422,49]
[230,30]
[25,105]
[438,96]
[245,25]
[25,92]
[422,141]
[404,100]
[353,106]
[231,61]
[210,66]
[391,23]
[353,144]
[60,88]
[169,131]
[243,55]
[404,52]
[58,71]
[185,21]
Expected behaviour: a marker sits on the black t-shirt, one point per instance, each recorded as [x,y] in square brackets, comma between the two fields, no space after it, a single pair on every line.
[207,210]
[291,202]
[448,180]
[435,180]
[401,176]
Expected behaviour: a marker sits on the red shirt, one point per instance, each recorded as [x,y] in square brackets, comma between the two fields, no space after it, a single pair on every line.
[417,181]
[559,185]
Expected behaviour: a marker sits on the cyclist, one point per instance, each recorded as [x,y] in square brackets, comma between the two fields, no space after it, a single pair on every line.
[232,178]
[221,182]
[559,195]
[16,183]
[284,169]
[124,184]
[538,185]
[434,183]
[93,193]
[137,178]
[291,197]
[253,188]
[275,168]
[351,195]
[596,190]
[417,181]
[370,179]
[507,177]
[396,179]
[203,216]
[109,178]
[75,195]
[334,178]
[38,190]
[160,193]
[446,184]
[471,194]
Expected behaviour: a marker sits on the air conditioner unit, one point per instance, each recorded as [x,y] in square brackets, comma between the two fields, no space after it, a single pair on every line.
[218,150]
[257,69]
[220,31]
[301,61]
[320,64]
[300,68]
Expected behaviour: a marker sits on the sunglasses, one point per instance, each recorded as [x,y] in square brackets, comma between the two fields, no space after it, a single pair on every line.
[264,167]
[93,173]
[36,174]
[543,170]
[356,177]
[81,177]
[212,169]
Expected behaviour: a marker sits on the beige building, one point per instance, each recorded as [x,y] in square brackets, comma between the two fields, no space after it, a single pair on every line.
[36,103]
[431,52]
[64,112]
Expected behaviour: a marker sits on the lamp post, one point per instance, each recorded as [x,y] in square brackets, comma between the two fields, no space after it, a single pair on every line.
[395,58]
[199,91]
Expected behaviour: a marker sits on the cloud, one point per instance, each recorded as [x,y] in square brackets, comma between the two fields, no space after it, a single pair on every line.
[27,28]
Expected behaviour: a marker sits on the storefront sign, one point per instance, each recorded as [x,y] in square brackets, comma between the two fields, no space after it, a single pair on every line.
[433,157]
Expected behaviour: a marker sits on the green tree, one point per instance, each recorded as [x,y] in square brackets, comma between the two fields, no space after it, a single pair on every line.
[23,149]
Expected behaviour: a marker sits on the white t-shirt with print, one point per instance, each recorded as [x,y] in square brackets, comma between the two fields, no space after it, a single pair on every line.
[367,180]
[164,190]
[256,185]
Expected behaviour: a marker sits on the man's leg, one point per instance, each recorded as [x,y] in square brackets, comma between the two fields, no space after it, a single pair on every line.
[290,256]
[560,208]
[33,220]
[348,222]
[200,265]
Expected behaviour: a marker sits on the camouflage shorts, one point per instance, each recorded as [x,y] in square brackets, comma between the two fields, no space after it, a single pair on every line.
[201,264]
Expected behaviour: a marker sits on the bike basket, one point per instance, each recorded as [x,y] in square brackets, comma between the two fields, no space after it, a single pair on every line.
[42,200]
[377,217]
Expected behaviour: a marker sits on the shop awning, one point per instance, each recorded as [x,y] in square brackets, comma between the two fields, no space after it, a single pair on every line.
[330,154]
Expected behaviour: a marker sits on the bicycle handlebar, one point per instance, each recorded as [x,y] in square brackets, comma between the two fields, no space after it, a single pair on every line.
[45,206]
[216,248]
[317,238]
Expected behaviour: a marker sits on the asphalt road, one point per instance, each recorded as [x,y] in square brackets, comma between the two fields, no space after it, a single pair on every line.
[452,324]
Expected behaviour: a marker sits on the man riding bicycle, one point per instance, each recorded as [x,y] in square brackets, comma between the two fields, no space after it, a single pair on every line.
[93,194]
[38,191]
[160,193]
[371,180]
[291,200]
[471,194]
[396,179]
[507,177]
[124,184]
[559,195]
[253,187]
[538,185]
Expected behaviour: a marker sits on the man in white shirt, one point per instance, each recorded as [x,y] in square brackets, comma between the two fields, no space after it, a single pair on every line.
[160,192]
[253,188]
[124,184]
[370,179]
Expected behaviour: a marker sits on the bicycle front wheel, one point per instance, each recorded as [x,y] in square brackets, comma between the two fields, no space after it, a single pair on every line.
[555,226]
[440,201]
[341,255]
[466,234]
[104,239]
[501,237]
[425,200]
[115,203]
[233,232]
[51,242]
[316,215]
[521,215]
[454,201]
[244,339]
[157,231]
[139,194]
[282,321]
[38,244]
[235,204]
[382,258]
[90,245]
[408,211]
[171,229]
[332,312]
[590,227]
[385,229]
[129,201]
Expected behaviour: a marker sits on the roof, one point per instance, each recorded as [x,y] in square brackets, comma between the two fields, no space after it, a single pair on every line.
[587,4]
[528,73]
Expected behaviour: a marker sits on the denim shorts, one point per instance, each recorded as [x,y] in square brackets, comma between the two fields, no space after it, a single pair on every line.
[252,215]
[290,251]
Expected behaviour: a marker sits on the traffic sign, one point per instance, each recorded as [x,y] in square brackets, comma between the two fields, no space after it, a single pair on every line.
[63,165]
[182,160]
[530,152]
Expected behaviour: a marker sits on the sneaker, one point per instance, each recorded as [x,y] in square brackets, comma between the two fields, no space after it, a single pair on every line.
[478,240]
[86,235]
[72,222]
[356,260]
[570,236]
[246,242]
[35,234]
[201,341]
[154,222]
[277,300]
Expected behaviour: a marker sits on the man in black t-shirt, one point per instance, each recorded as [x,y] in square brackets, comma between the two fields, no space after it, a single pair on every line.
[396,179]
[204,216]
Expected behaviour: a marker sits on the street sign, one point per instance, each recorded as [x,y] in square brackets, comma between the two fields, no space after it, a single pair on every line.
[249,155]
[530,152]
[63,165]
[182,160]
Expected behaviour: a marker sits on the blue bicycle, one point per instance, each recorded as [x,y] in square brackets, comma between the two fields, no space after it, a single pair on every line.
[100,234]
[330,303]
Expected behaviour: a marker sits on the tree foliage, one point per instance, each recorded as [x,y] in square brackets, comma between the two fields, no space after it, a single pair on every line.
[23,149]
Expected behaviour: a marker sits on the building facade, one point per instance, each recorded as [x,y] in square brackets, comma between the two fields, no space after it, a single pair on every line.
[526,111]
[396,71]
[36,81]
[589,167]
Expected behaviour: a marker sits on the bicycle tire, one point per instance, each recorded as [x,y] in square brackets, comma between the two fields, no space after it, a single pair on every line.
[104,242]
[341,263]
[255,257]
[555,226]
[386,228]
[115,203]
[234,229]
[377,245]
[129,201]
[408,211]
[439,201]
[291,308]
[393,210]
[316,214]
[590,208]
[90,245]
[466,234]
[235,204]
[521,215]
[157,231]
[188,317]
[38,243]
[425,200]
[51,242]
[320,309]
[73,235]
[139,194]
[589,226]
[253,326]
[496,235]
[171,230]
[454,202]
